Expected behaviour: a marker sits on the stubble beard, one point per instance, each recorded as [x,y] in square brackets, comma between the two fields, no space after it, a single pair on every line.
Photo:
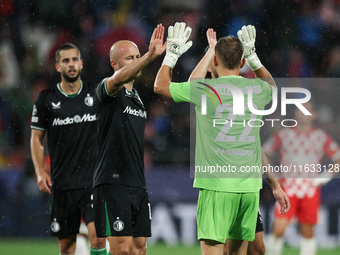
[69,78]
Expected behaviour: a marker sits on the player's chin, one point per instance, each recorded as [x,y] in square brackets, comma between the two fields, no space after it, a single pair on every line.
[71,78]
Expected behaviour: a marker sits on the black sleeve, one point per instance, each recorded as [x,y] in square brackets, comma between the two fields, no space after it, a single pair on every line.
[102,93]
[40,113]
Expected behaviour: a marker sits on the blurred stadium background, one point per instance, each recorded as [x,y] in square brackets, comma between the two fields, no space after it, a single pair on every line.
[295,39]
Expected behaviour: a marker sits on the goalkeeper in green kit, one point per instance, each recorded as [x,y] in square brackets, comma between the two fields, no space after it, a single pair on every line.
[228,200]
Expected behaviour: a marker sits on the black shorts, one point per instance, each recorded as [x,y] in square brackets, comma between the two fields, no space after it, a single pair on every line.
[67,206]
[121,210]
[259,223]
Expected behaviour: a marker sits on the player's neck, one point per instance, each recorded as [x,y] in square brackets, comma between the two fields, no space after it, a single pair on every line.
[70,88]
[129,86]
[228,72]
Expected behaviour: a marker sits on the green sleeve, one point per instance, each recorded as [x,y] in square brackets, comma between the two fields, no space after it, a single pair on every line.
[180,92]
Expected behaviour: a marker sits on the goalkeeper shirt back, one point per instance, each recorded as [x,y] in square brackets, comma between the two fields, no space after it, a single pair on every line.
[228,147]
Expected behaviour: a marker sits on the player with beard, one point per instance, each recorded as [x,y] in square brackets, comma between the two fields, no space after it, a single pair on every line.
[66,113]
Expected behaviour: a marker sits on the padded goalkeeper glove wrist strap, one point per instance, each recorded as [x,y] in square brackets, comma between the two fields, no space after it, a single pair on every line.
[170,59]
[253,62]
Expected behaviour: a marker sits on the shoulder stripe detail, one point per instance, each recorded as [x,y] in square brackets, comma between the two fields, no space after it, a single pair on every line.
[107,91]
[38,128]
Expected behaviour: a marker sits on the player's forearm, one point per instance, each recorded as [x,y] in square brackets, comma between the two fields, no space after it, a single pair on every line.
[201,69]
[264,74]
[272,181]
[268,176]
[162,81]
[128,73]
[37,153]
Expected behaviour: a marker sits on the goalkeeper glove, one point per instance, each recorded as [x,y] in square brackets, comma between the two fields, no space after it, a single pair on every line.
[247,36]
[176,43]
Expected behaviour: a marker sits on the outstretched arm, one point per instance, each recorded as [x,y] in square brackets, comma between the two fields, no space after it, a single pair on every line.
[247,36]
[129,72]
[176,45]
[202,67]
[278,193]
[163,80]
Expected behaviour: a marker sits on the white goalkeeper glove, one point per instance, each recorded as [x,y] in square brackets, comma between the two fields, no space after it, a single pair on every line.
[176,43]
[323,179]
[247,36]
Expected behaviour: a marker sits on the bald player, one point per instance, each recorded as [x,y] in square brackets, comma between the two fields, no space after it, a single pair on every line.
[121,202]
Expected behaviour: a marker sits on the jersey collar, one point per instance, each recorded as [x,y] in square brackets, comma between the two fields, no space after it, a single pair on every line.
[130,93]
[231,76]
[73,95]
[134,95]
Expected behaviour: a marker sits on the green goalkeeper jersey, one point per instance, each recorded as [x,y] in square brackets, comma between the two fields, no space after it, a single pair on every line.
[228,147]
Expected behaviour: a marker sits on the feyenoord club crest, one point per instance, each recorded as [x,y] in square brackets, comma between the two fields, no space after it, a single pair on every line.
[118,225]
[55,227]
[88,100]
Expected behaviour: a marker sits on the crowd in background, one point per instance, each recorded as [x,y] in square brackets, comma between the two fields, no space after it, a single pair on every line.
[294,39]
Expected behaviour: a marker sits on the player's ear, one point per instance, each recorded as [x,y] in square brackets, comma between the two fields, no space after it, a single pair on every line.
[215,61]
[57,67]
[243,62]
[81,64]
[114,65]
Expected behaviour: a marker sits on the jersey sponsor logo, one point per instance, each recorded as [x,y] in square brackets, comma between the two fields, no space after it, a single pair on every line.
[138,113]
[88,100]
[118,225]
[56,105]
[76,119]
[55,226]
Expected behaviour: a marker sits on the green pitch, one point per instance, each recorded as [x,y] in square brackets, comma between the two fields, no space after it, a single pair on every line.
[50,247]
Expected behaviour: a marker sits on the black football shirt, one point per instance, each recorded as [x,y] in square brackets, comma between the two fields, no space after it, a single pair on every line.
[121,124]
[70,122]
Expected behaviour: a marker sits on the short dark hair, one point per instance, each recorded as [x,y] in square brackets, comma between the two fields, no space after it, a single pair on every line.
[229,50]
[65,46]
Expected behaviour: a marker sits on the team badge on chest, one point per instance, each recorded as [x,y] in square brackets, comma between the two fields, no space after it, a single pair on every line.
[88,100]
